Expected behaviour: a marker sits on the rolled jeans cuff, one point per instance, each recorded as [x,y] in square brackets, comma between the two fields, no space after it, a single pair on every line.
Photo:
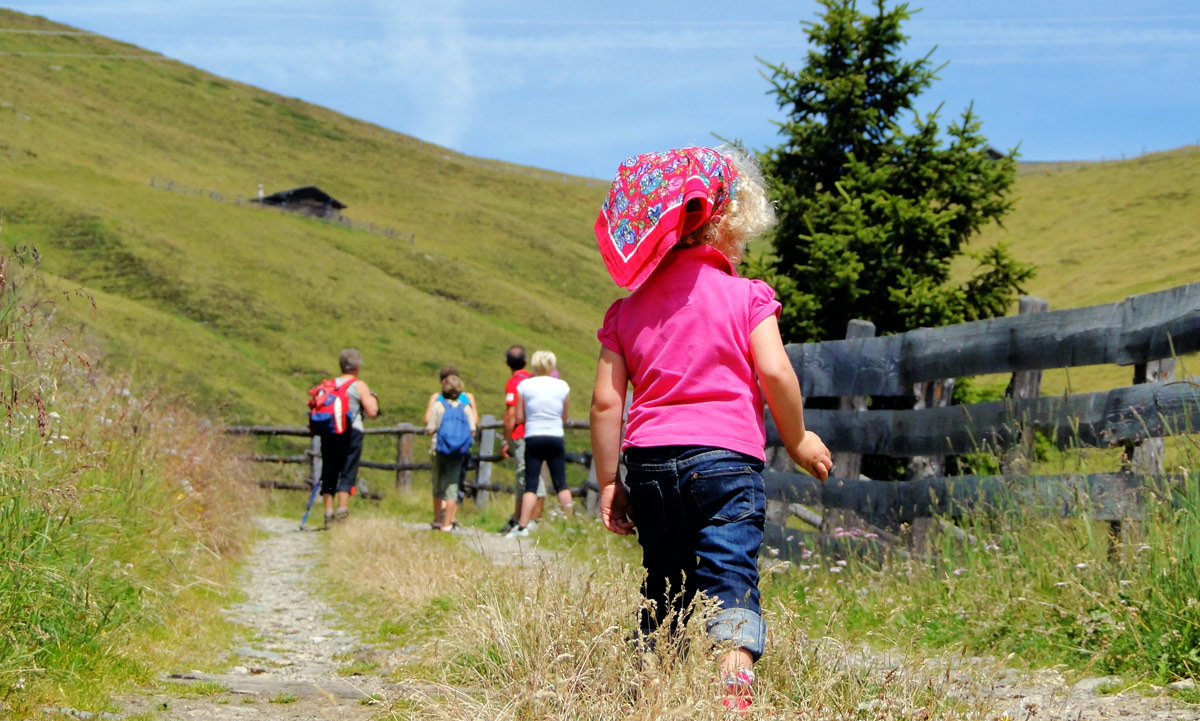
[740,626]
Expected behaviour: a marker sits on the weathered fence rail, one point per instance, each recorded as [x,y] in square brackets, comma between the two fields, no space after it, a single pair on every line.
[1145,331]
[1103,419]
[482,459]
[1139,329]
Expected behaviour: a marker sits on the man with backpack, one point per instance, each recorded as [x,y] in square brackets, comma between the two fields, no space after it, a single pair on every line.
[336,409]
[452,422]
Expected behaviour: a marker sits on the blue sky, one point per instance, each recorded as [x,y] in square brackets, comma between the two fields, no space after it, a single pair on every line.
[576,87]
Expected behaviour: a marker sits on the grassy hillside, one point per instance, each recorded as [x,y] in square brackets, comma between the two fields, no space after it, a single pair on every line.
[1099,232]
[245,307]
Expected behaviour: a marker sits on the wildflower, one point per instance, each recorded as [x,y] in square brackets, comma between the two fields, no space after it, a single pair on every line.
[1060,584]
[835,569]
[841,562]
[991,547]
[959,571]
[1081,565]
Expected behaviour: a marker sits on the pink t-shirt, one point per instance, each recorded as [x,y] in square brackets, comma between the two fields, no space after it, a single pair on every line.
[685,338]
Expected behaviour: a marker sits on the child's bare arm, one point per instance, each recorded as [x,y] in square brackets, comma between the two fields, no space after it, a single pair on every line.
[781,389]
[608,405]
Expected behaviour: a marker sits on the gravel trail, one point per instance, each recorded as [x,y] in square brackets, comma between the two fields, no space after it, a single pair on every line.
[289,668]
[289,671]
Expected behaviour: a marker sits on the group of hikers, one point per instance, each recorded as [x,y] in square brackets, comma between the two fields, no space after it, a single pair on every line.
[535,408]
[701,348]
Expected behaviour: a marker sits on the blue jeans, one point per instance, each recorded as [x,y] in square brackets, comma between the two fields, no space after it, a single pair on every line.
[699,513]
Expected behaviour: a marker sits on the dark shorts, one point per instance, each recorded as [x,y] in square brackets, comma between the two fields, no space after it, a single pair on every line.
[339,461]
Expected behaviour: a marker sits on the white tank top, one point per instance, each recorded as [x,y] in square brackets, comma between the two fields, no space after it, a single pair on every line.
[544,398]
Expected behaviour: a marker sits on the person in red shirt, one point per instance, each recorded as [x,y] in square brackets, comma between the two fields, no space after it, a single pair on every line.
[514,436]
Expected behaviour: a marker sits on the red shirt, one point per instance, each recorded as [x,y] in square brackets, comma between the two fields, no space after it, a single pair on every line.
[510,398]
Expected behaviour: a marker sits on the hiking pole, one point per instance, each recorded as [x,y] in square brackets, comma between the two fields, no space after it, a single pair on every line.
[316,484]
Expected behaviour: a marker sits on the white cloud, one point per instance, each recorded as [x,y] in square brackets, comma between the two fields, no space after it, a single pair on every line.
[431,64]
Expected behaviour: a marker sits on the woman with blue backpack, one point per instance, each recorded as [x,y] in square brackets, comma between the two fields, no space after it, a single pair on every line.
[452,423]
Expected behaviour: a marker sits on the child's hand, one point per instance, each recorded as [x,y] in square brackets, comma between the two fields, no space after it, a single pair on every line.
[615,511]
[813,456]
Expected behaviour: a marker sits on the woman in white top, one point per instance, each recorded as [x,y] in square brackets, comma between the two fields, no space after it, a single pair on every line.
[542,407]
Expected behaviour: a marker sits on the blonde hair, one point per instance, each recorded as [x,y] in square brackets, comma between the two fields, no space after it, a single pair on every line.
[748,215]
[452,387]
[543,363]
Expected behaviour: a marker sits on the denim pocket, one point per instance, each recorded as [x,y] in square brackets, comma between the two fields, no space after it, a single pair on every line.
[726,494]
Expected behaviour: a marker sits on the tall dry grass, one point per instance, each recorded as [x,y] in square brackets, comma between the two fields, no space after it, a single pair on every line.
[551,639]
[118,512]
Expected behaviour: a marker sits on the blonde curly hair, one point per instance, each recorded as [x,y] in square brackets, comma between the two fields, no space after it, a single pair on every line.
[748,215]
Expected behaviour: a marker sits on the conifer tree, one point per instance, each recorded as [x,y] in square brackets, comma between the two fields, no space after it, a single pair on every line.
[875,201]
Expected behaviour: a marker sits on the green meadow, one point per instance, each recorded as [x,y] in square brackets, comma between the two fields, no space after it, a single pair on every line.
[243,309]
[120,179]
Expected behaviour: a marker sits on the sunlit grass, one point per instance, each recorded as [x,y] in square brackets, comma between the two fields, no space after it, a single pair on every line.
[120,513]
[243,308]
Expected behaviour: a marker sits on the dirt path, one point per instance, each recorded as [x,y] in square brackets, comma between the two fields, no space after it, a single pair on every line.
[289,669]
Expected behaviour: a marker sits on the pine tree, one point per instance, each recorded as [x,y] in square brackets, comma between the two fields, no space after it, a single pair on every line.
[875,202]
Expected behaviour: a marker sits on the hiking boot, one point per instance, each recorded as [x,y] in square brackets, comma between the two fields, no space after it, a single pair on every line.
[341,514]
[508,526]
[739,691]
[328,520]
[517,532]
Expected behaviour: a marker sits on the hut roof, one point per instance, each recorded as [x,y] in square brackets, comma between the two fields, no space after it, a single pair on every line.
[308,192]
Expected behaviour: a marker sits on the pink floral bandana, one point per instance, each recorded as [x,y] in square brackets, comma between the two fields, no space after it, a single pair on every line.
[646,213]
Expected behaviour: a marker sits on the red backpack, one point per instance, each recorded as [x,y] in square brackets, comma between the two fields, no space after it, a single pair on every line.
[329,407]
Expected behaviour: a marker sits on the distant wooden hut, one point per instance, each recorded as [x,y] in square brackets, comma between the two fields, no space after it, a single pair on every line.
[309,200]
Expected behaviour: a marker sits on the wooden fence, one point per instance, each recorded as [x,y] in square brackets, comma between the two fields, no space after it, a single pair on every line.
[483,458]
[1146,332]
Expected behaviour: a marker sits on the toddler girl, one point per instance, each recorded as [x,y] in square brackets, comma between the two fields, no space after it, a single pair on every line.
[697,342]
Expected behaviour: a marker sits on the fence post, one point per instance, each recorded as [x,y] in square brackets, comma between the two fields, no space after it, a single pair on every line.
[1024,384]
[930,394]
[592,498]
[404,441]
[314,459]
[846,464]
[483,474]
[1145,457]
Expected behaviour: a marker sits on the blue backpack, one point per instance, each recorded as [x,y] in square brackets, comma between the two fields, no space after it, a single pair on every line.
[454,434]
